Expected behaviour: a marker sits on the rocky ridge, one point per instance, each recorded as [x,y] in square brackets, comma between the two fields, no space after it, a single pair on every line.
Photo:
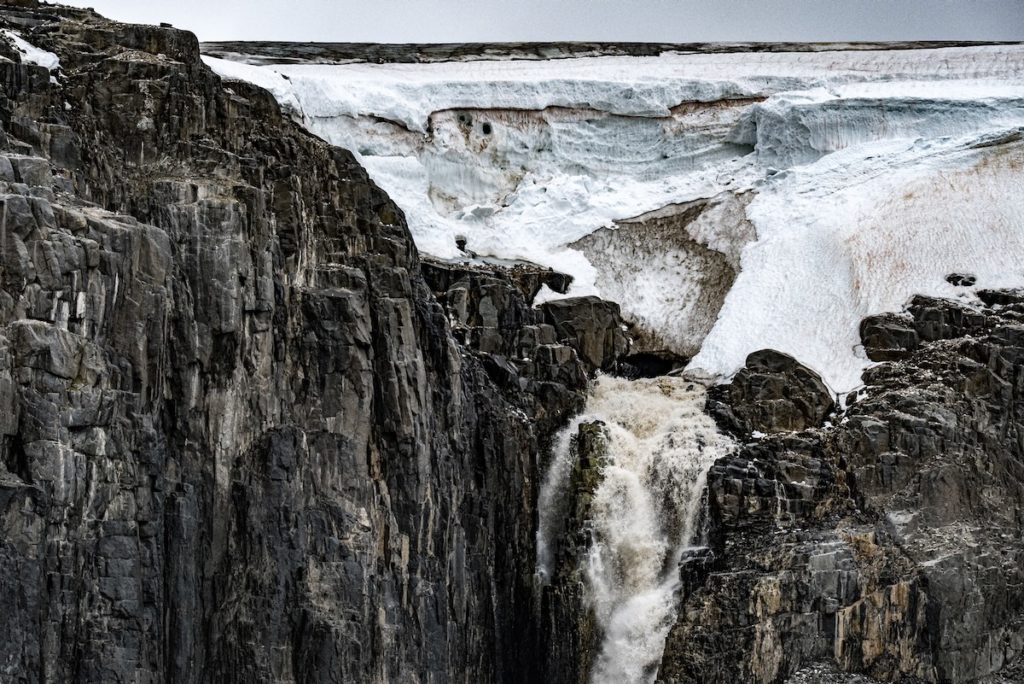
[256,52]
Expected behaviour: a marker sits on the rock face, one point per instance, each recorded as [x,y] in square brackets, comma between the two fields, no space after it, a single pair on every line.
[889,546]
[529,278]
[569,629]
[888,337]
[240,438]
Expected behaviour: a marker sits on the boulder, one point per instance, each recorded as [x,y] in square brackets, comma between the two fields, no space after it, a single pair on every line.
[591,325]
[887,337]
[773,392]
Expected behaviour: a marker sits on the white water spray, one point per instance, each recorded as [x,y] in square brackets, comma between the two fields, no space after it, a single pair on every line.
[645,513]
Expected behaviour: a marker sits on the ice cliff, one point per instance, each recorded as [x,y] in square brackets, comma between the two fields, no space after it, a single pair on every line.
[533,159]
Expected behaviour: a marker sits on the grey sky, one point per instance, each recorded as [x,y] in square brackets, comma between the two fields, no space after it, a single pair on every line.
[396,21]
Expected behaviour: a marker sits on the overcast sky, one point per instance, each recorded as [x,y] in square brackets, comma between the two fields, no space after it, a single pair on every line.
[397,21]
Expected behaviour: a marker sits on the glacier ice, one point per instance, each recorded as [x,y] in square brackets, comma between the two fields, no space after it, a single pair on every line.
[793,128]
[862,177]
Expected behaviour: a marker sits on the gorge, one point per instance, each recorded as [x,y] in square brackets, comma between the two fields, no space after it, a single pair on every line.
[607,363]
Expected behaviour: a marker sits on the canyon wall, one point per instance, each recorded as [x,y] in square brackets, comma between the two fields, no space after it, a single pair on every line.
[239,440]
[248,433]
[887,542]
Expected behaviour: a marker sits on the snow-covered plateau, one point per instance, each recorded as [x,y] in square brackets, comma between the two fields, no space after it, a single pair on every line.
[729,202]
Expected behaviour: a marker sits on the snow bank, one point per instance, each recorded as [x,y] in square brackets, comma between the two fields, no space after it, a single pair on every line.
[31,54]
[860,232]
[523,159]
[537,182]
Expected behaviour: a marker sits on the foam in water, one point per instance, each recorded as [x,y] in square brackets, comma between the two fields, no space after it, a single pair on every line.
[645,513]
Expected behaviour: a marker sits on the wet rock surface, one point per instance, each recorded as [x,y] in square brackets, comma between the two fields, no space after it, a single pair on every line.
[240,438]
[650,365]
[567,622]
[888,548]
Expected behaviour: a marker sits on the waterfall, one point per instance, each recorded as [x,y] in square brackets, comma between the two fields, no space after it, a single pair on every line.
[645,512]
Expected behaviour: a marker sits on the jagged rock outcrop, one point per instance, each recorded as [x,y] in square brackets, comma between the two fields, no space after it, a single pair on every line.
[888,337]
[238,438]
[529,278]
[539,366]
[888,546]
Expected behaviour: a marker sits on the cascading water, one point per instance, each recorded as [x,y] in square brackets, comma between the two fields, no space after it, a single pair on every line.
[645,512]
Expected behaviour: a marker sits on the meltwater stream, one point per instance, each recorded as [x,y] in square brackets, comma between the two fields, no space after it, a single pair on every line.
[646,511]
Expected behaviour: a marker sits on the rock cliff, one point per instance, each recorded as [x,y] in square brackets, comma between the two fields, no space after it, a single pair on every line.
[240,438]
[887,545]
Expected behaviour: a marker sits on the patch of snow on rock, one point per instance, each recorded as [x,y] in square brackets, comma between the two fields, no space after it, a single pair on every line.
[31,54]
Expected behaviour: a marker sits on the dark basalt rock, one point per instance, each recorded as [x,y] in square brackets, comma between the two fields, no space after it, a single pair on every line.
[771,393]
[240,438]
[888,337]
[938,319]
[650,364]
[529,278]
[590,448]
[245,437]
[888,548]
[1009,300]
[592,325]
[961,279]
[569,627]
